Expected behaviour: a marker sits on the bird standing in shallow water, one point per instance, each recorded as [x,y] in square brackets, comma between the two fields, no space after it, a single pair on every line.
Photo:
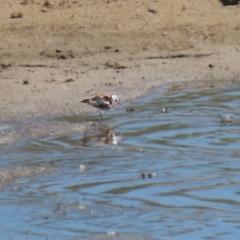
[103,102]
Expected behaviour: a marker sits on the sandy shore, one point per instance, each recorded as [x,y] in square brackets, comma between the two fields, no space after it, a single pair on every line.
[55,53]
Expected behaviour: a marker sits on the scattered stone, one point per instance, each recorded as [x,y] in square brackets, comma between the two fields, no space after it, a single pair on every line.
[143,175]
[229,2]
[148,175]
[131,109]
[50,81]
[25,82]
[17,14]
[165,109]
[111,234]
[47,4]
[152,11]
[25,2]
[114,65]
[57,54]
[69,80]
[4,65]
[107,47]
[82,168]
[210,65]
[81,207]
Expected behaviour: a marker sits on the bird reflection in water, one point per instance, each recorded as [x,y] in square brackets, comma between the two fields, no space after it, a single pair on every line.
[105,137]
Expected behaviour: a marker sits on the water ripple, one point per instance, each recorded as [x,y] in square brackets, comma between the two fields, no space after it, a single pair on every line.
[188,157]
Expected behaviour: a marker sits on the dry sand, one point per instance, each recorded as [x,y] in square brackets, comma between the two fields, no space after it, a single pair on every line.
[55,53]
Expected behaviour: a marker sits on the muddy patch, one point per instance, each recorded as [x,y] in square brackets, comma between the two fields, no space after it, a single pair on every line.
[8,175]
[58,54]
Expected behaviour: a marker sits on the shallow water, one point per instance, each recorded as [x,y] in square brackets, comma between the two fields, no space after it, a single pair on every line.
[193,161]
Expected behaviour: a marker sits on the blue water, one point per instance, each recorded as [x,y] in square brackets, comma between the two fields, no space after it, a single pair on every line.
[193,160]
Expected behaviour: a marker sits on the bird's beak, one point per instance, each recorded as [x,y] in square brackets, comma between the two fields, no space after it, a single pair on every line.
[119,103]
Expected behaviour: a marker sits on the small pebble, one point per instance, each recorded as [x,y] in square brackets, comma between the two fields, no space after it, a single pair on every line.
[165,110]
[111,234]
[148,175]
[82,168]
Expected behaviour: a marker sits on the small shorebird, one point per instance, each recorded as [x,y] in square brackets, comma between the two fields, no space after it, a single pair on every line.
[226,119]
[102,102]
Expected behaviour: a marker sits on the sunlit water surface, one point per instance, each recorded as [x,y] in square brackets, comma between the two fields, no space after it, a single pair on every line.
[191,164]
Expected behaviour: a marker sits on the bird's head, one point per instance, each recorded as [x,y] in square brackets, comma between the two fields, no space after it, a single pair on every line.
[116,99]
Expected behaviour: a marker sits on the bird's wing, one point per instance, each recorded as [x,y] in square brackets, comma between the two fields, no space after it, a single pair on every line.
[98,102]
[103,99]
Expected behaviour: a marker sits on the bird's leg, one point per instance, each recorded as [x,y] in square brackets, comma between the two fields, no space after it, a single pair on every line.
[101,112]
